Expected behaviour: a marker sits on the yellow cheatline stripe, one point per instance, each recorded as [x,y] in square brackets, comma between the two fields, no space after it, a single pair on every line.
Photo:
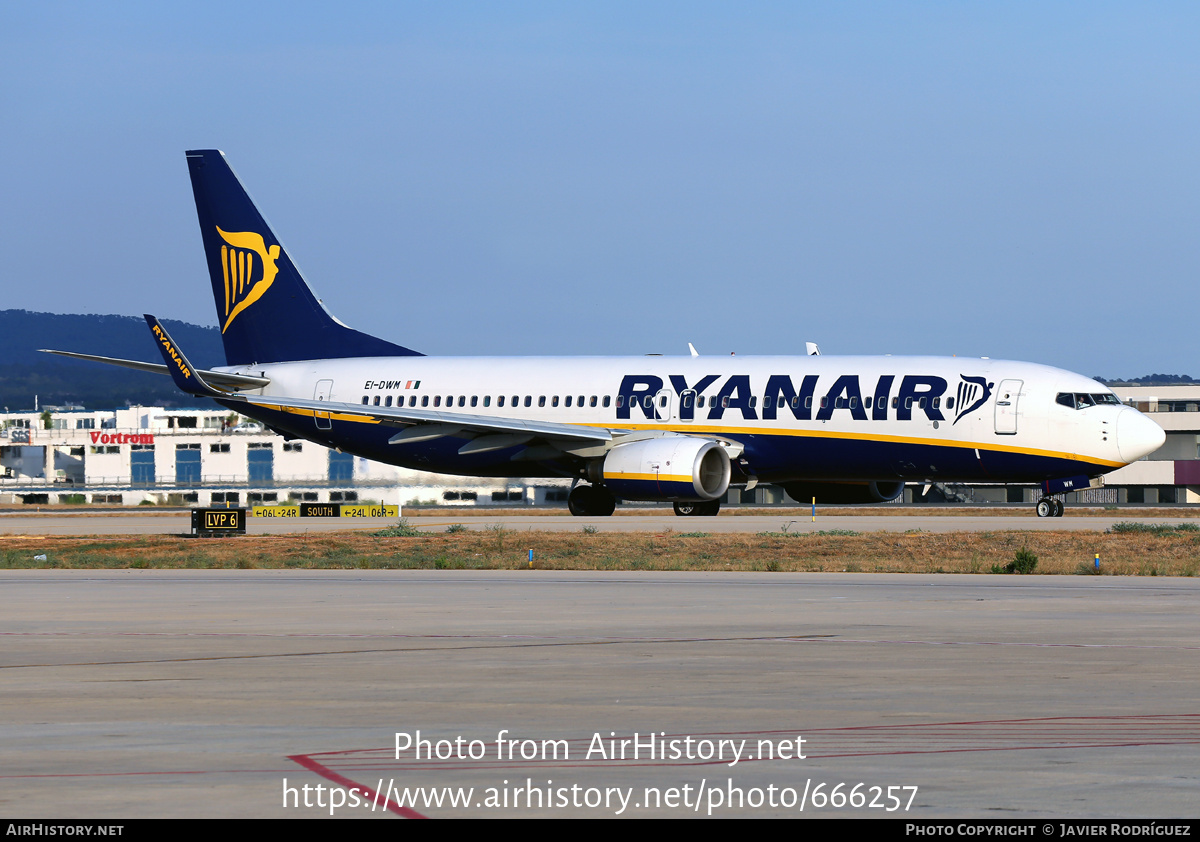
[760,431]
[652,477]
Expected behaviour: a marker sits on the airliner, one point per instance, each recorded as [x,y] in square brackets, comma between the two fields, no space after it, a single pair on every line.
[837,429]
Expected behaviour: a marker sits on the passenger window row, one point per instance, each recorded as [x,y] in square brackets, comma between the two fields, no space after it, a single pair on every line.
[436,401]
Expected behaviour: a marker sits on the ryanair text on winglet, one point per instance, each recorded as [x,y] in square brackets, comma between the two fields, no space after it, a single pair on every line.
[166,343]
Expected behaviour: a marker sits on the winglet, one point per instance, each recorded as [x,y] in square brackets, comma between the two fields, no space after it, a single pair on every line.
[182,372]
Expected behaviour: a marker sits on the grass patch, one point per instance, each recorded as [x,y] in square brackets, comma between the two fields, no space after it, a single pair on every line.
[403,529]
[1127,527]
[1023,562]
[1136,553]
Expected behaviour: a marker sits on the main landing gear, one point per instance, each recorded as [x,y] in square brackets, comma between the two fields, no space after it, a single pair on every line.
[591,501]
[705,509]
[1050,507]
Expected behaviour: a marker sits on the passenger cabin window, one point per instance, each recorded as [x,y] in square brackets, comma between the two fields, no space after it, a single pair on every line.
[541,400]
[487,400]
[567,401]
[377,400]
[592,402]
[554,401]
[462,400]
[474,400]
[606,399]
[424,400]
[437,400]
[387,401]
[529,400]
[500,401]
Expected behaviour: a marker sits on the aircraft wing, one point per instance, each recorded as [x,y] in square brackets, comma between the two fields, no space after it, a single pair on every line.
[219,379]
[425,424]
[486,432]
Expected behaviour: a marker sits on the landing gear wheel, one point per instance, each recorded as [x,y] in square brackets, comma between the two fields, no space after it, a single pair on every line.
[706,509]
[1045,507]
[1058,508]
[591,501]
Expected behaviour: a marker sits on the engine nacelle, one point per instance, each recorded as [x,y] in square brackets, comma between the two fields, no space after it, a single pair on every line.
[675,468]
[879,491]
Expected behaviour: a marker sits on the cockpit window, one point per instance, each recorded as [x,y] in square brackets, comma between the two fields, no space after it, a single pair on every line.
[1079,400]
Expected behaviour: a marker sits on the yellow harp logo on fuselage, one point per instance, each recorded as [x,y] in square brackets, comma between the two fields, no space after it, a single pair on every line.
[242,287]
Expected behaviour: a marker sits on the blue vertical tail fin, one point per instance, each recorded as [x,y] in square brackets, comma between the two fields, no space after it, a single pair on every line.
[265,309]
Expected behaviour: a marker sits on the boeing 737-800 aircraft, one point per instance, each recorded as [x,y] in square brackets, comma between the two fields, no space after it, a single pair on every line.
[679,429]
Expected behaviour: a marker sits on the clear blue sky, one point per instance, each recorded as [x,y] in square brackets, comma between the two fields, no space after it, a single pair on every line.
[1011,179]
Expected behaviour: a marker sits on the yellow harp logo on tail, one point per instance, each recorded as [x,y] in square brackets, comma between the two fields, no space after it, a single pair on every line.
[238,267]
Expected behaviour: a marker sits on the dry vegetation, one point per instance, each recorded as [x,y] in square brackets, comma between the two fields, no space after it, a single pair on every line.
[1168,554]
[1024,510]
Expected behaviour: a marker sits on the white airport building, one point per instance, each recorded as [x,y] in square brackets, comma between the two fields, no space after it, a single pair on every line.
[155,455]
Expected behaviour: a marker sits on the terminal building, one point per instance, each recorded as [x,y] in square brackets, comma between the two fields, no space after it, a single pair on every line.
[152,455]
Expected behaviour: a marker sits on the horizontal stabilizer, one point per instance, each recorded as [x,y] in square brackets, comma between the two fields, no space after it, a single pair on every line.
[219,379]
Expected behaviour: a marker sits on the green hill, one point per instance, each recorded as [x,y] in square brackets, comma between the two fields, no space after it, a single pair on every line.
[25,373]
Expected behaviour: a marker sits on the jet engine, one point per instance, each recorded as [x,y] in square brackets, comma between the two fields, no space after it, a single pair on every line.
[878,491]
[677,468]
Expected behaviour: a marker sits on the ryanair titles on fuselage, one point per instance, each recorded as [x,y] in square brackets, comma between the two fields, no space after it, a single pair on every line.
[781,395]
[810,397]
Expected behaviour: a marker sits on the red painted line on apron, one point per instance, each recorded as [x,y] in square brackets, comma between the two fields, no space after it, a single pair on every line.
[313,766]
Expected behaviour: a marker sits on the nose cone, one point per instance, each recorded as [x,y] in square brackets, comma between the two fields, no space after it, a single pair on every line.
[1137,435]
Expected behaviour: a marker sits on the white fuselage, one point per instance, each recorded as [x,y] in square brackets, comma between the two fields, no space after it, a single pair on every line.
[928,418]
